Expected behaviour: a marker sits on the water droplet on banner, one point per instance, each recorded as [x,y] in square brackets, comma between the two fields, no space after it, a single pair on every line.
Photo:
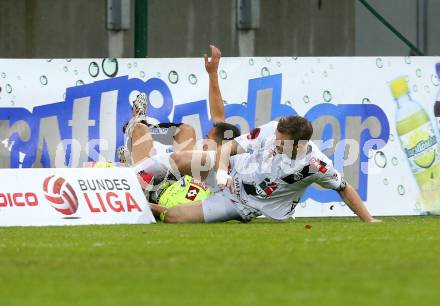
[225,102]
[401,189]
[415,88]
[64,96]
[391,138]
[18,77]
[268,59]
[379,62]
[3,75]
[173,77]
[65,69]
[93,69]
[385,181]
[110,67]
[434,80]
[366,101]
[243,103]
[48,60]
[370,154]
[251,61]
[407,60]
[265,72]
[330,66]
[8,88]
[306,99]
[192,79]
[43,80]
[426,88]
[325,74]
[394,161]
[223,74]
[419,72]
[294,58]
[288,103]
[135,64]
[327,96]
[158,74]
[142,74]
[79,82]
[12,103]
[129,65]
[68,60]
[380,159]
[279,64]
[75,72]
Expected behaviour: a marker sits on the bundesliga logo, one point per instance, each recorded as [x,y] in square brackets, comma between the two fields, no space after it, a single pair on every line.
[60,194]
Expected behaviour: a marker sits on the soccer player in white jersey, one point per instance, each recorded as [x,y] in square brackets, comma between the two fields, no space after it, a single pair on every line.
[269,171]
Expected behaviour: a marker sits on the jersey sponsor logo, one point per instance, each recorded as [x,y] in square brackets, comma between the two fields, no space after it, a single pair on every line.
[199,184]
[268,187]
[297,176]
[253,134]
[159,131]
[263,189]
[192,193]
[319,165]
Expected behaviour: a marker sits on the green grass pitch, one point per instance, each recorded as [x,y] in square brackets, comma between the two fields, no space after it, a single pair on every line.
[339,261]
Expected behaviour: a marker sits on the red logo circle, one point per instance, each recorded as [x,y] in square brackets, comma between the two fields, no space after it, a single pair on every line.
[60,194]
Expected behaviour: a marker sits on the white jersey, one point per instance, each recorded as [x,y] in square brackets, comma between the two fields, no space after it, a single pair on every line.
[272,183]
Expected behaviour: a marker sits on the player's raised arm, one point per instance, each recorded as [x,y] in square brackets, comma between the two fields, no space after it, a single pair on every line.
[216,107]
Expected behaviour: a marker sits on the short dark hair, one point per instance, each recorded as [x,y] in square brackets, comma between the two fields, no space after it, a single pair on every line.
[221,131]
[297,127]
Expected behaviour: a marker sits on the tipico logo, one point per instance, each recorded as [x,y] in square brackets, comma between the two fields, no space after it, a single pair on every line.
[60,194]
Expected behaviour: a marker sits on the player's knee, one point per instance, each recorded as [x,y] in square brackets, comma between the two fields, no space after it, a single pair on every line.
[140,129]
[186,129]
[179,158]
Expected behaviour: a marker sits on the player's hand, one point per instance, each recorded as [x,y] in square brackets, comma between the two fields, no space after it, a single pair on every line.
[374,220]
[211,66]
[224,180]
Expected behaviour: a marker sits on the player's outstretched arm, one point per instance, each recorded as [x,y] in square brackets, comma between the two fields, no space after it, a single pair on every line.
[353,200]
[216,107]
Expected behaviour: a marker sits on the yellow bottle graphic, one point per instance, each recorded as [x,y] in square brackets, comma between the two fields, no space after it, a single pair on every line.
[419,142]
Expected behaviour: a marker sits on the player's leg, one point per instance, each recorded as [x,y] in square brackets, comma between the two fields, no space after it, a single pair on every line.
[194,163]
[184,138]
[142,143]
[215,208]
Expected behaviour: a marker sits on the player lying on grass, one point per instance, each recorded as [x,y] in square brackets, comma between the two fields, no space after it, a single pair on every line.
[138,141]
[168,188]
[263,173]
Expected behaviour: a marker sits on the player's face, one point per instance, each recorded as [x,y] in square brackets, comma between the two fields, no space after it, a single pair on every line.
[287,146]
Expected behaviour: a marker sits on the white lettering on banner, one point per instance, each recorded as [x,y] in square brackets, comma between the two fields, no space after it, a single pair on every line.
[71,196]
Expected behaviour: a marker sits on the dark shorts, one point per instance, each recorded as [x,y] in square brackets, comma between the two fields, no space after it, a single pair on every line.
[164,132]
